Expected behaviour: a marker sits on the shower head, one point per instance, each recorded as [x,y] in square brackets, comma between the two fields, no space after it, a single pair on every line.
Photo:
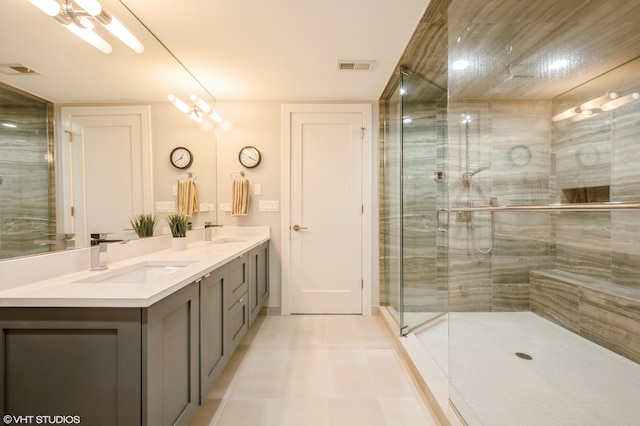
[466,177]
[476,171]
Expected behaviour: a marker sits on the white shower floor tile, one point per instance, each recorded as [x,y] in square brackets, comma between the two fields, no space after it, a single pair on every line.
[569,381]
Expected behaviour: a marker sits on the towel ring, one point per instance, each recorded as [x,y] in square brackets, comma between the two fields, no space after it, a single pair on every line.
[192,175]
[241,173]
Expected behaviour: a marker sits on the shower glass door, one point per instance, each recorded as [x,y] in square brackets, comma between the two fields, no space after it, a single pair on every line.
[423,265]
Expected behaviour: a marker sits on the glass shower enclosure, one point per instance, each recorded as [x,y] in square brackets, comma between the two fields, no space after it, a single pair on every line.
[414,245]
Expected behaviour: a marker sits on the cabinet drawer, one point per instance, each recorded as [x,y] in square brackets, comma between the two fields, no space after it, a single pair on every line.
[238,321]
[238,276]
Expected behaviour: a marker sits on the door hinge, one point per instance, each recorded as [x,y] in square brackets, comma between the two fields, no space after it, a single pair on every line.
[73,211]
[361,283]
[362,209]
[70,135]
[362,129]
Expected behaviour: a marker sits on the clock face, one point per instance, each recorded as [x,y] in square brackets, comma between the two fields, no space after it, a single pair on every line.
[249,156]
[520,155]
[587,156]
[181,158]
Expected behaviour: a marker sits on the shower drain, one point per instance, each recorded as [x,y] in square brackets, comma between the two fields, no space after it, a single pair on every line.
[524,356]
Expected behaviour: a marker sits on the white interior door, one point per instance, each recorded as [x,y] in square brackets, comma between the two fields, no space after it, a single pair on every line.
[326,155]
[110,170]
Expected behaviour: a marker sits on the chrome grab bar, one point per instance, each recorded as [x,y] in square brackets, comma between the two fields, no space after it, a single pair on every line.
[586,207]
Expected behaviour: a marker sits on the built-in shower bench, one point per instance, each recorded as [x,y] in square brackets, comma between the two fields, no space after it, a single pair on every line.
[605,313]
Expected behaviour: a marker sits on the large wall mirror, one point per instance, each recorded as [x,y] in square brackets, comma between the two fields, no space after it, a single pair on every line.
[45,69]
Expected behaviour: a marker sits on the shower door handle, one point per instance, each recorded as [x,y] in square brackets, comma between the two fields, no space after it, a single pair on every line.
[438,227]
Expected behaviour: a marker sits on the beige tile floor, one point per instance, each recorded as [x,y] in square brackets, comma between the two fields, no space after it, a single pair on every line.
[313,370]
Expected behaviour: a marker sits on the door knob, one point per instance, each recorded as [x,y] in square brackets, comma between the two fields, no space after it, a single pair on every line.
[298,227]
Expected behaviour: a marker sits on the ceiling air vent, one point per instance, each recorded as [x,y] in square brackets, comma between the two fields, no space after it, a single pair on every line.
[13,69]
[355,65]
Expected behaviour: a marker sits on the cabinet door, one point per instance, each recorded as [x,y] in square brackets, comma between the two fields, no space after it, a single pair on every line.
[214,350]
[238,277]
[263,273]
[170,347]
[238,322]
[82,362]
[253,291]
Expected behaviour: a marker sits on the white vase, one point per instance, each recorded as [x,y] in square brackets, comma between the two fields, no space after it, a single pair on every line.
[179,243]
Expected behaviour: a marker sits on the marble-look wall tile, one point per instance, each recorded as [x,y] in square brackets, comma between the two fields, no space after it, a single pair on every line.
[583,243]
[556,301]
[599,311]
[612,322]
[25,207]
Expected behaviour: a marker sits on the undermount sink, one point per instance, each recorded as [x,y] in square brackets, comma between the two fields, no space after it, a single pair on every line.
[142,272]
[223,240]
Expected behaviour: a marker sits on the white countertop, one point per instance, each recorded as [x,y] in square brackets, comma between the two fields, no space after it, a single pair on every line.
[66,291]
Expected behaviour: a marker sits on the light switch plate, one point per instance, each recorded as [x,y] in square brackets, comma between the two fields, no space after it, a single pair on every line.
[225,207]
[165,206]
[268,206]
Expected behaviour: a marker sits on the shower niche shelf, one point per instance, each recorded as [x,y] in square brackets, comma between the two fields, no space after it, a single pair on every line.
[590,194]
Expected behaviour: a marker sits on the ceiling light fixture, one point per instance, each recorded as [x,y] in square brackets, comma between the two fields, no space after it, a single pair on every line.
[198,109]
[560,63]
[77,17]
[460,64]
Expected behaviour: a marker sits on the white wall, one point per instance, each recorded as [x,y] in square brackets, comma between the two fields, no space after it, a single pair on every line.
[258,124]
[215,149]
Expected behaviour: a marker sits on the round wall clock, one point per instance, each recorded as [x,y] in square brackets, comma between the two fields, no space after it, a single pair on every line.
[587,156]
[181,157]
[520,155]
[249,156]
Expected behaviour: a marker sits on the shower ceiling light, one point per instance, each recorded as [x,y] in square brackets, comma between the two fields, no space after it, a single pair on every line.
[197,110]
[78,21]
[557,64]
[460,64]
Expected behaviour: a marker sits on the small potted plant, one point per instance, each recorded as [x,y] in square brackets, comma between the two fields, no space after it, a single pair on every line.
[144,224]
[178,224]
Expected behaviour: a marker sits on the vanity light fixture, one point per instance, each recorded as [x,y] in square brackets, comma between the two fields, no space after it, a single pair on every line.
[198,109]
[597,102]
[572,112]
[617,103]
[78,15]
[604,103]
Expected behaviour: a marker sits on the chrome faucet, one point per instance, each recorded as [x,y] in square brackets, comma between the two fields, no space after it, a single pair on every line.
[98,261]
[207,230]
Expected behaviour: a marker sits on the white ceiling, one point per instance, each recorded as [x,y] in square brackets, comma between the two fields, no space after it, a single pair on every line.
[236,50]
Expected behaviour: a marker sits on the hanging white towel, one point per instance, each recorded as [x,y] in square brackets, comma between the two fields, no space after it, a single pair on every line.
[187,197]
[240,197]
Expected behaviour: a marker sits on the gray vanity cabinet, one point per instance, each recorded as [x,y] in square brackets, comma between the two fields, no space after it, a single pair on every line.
[214,318]
[71,362]
[258,286]
[170,336]
[237,303]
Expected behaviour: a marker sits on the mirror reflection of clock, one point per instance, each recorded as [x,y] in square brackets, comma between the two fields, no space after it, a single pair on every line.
[587,156]
[519,155]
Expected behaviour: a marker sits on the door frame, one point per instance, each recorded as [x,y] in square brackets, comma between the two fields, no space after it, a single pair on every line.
[66,189]
[368,185]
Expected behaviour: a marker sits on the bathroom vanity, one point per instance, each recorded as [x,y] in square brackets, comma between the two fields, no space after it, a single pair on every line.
[140,343]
